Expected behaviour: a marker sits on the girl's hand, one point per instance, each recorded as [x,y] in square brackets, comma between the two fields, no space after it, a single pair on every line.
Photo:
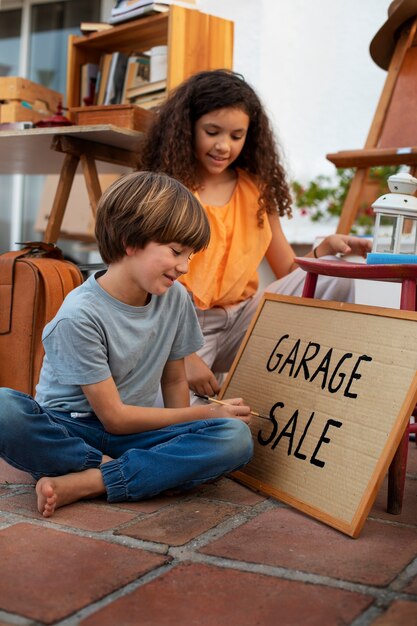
[344,244]
[233,407]
[200,378]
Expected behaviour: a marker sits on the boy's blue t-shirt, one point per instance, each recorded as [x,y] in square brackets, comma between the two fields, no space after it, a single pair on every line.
[94,336]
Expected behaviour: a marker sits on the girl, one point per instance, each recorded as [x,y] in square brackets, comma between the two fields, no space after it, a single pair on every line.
[214,136]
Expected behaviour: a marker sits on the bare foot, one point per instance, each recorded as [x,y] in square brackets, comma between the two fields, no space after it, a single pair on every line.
[47,498]
[54,492]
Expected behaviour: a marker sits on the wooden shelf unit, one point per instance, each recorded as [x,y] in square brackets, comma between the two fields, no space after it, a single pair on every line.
[196,41]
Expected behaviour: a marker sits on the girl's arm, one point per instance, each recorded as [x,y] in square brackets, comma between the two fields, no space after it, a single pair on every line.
[343,244]
[124,419]
[279,255]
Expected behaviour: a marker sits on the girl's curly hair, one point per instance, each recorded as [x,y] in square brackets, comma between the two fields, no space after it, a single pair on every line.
[168,144]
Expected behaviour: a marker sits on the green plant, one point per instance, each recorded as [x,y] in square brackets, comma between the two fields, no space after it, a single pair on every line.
[324,196]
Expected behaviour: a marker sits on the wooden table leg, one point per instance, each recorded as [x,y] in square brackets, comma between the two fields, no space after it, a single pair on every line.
[53,228]
[92,181]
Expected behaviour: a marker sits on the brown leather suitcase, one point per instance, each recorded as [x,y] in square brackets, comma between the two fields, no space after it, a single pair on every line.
[33,284]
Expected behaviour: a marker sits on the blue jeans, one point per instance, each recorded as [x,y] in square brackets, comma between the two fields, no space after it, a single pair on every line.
[45,442]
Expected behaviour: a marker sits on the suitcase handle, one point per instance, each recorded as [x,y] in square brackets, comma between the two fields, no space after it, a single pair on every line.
[40,249]
[34,252]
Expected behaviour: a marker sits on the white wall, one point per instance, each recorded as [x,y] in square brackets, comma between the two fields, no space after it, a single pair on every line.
[309,61]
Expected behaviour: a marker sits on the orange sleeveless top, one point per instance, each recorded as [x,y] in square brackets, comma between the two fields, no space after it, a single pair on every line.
[226,272]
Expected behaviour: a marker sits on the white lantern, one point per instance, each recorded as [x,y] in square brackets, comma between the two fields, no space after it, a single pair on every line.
[395,234]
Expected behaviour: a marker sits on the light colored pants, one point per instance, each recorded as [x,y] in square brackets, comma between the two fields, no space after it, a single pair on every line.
[224,327]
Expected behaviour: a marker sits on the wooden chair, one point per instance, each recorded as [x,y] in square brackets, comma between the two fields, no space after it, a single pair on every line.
[392,138]
[407,276]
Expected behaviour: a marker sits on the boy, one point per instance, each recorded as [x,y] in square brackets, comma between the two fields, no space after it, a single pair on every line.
[92,428]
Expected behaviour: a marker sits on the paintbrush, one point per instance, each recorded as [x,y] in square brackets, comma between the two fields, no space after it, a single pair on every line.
[216,401]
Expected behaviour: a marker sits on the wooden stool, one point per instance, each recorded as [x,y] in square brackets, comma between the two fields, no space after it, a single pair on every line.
[407,276]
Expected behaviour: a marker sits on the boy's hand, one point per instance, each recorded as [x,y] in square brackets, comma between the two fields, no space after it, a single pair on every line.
[232,407]
[200,378]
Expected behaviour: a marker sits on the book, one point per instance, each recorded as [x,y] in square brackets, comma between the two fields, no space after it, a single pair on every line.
[146,88]
[93,27]
[89,73]
[98,80]
[139,67]
[146,67]
[104,69]
[137,73]
[115,80]
[158,63]
[124,6]
[148,9]
[150,101]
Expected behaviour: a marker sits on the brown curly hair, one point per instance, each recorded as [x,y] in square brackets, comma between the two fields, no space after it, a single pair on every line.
[168,144]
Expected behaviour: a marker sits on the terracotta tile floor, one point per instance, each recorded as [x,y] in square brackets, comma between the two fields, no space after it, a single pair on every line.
[219,556]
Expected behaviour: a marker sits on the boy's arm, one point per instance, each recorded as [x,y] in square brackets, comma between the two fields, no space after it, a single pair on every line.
[123,419]
[200,378]
[174,385]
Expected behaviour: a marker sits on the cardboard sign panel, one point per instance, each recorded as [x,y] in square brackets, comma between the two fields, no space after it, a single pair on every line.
[335,385]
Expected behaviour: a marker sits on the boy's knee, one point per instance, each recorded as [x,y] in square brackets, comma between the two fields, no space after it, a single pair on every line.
[13,405]
[16,411]
[242,441]
[247,442]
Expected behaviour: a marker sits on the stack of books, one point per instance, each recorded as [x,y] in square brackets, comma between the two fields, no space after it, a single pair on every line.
[146,77]
[140,79]
[103,83]
[125,10]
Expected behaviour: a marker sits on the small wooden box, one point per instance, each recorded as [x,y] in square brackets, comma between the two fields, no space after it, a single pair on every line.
[124,115]
[40,102]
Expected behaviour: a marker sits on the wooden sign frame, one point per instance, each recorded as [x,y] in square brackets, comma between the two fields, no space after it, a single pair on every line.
[335,385]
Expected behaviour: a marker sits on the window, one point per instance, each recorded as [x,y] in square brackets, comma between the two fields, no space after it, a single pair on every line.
[51,23]
[38,31]
[9,42]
